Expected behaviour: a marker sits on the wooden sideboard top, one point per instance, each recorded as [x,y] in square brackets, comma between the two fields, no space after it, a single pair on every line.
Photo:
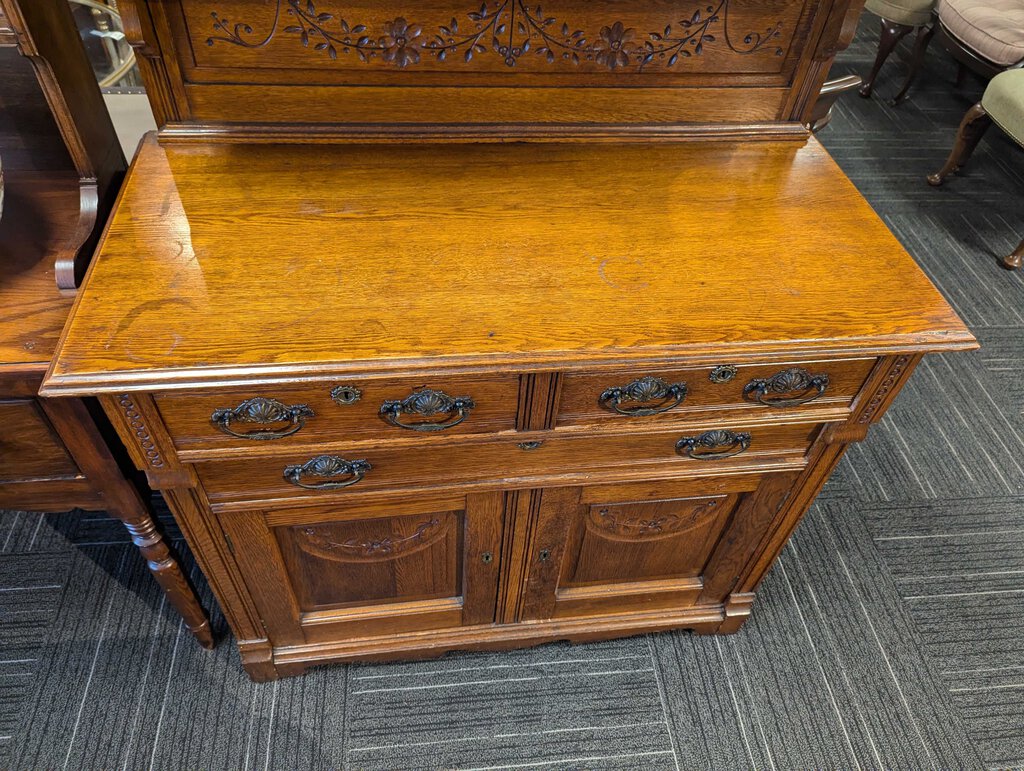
[241,262]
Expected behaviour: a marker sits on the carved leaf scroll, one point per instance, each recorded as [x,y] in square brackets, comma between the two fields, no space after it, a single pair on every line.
[645,525]
[319,541]
[510,29]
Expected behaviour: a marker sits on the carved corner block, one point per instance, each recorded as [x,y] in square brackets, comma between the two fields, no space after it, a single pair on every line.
[737,611]
[136,421]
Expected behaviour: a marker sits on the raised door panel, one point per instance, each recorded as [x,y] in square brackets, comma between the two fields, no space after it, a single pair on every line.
[599,550]
[324,574]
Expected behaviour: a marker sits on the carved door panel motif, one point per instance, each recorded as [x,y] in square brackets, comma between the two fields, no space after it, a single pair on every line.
[598,551]
[334,572]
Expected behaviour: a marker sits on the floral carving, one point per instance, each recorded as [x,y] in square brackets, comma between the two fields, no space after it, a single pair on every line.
[318,540]
[509,28]
[400,43]
[645,526]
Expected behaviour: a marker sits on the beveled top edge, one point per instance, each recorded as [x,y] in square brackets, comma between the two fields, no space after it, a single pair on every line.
[85,384]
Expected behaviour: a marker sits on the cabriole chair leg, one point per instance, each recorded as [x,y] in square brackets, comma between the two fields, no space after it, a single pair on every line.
[1016,259]
[972,127]
[924,37]
[892,33]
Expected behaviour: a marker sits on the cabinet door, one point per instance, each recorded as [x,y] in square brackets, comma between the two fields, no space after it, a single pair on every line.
[340,572]
[630,548]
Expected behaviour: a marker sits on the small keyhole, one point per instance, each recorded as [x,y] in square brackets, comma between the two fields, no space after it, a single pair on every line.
[545,555]
[486,557]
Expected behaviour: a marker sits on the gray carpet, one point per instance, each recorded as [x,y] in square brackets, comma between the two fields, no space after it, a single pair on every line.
[888,636]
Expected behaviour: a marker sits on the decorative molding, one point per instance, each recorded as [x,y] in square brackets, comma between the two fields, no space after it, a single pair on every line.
[318,541]
[898,368]
[646,527]
[510,29]
[131,414]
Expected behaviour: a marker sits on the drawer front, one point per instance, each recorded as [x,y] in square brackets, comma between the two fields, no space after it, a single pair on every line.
[357,410]
[628,396]
[29,447]
[700,449]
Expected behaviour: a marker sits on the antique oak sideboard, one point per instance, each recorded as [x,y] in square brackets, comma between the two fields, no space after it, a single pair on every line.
[453,326]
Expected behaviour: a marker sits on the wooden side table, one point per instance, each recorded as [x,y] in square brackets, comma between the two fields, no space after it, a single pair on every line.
[62,167]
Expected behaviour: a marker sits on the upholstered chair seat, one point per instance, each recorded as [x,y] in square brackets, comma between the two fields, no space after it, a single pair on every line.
[993,29]
[911,13]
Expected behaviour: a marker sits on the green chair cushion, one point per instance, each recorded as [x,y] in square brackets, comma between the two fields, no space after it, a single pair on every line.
[1004,102]
[913,13]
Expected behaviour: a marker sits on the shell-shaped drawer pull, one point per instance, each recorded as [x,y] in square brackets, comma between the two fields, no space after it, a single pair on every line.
[788,388]
[335,471]
[427,403]
[643,391]
[714,445]
[262,411]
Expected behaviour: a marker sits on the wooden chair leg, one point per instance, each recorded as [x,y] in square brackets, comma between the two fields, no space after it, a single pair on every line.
[924,37]
[167,571]
[1016,259]
[972,127]
[892,33]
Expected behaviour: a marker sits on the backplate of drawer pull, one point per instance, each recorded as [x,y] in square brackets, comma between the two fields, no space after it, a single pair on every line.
[703,447]
[260,410]
[786,382]
[427,403]
[645,389]
[327,467]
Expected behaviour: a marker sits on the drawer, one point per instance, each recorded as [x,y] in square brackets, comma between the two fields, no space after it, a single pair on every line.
[701,449]
[348,410]
[29,447]
[639,396]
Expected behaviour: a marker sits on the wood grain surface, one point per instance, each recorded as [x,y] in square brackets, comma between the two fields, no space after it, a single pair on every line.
[477,255]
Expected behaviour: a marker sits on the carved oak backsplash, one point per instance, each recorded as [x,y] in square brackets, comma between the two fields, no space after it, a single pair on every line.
[559,36]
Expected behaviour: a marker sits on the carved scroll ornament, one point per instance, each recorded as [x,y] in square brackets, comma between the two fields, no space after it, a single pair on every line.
[511,29]
[318,541]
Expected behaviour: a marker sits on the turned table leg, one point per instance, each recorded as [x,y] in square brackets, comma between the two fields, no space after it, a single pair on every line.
[1016,259]
[972,127]
[167,571]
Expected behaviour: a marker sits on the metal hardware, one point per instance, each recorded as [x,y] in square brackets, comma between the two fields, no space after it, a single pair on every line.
[545,555]
[529,445]
[703,447]
[645,389]
[786,382]
[427,403]
[262,410]
[486,557]
[346,394]
[723,373]
[328,467]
